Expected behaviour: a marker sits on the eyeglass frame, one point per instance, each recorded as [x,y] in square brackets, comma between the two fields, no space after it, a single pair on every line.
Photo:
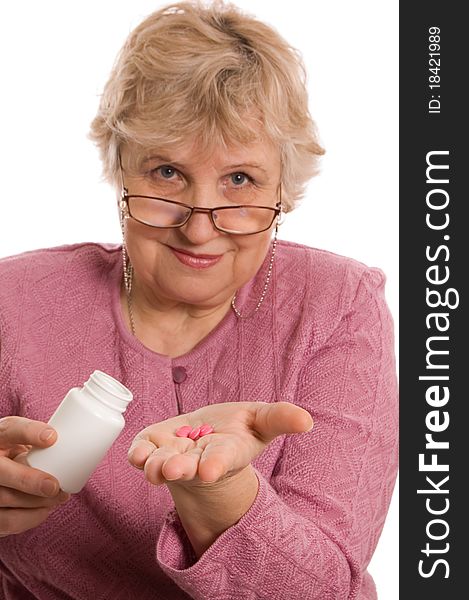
[125,197]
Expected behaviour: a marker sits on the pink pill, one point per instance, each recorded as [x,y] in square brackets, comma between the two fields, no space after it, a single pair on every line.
[184,431]
[194,434]
[205,429]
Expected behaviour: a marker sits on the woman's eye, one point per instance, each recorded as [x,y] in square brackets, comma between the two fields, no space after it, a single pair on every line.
[239,178]
[166,172]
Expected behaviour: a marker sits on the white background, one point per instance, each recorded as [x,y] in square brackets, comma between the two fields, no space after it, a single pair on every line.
[54,60]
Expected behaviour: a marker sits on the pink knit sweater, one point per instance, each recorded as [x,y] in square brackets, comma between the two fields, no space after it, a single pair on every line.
[322,339]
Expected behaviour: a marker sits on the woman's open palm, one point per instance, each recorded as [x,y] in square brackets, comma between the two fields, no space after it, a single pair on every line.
[241,432]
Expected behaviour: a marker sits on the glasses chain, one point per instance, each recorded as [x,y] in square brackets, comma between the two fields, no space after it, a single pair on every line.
[266,284]
[129,271]
[128,276]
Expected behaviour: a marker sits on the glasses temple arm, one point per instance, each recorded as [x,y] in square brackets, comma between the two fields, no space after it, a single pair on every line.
[124,191]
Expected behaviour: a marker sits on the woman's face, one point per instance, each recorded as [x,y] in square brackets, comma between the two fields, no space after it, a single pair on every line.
[248,174]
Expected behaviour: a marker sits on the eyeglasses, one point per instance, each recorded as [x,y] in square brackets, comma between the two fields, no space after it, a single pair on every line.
[166,214]
[162,213]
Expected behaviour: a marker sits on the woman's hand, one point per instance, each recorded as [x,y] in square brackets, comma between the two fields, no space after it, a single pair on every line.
[27,495]
[241,432]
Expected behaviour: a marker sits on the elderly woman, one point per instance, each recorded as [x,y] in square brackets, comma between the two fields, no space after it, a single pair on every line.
[208,318]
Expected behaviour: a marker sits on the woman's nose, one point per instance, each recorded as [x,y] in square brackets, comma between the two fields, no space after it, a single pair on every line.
[200,229]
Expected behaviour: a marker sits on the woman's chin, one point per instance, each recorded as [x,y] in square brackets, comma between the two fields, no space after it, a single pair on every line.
[205,298]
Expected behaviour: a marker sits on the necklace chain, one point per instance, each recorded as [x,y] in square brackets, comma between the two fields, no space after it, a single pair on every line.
[131,312]
[129,271]
[266,284]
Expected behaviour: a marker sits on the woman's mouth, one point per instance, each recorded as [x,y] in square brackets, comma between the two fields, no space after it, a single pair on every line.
[200,261]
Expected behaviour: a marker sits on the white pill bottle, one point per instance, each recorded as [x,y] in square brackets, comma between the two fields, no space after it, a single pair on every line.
[87,421]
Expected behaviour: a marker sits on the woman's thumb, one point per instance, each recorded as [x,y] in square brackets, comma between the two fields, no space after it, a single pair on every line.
[279,418]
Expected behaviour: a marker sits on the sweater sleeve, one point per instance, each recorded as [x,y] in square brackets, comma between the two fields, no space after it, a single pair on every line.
[314,525]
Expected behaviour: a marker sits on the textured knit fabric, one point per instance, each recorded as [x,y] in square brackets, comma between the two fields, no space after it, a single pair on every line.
[322,339]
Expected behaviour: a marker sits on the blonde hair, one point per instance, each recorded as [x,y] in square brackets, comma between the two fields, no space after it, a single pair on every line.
[213,72]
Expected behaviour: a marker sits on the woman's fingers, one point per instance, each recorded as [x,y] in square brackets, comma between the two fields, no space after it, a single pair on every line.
[17,520]
[165,464]
[210,463]
[278,418]
[27,479]
[151,438]
[139,452]
[20,430]
[153,467]
[10,498]
[27,495]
